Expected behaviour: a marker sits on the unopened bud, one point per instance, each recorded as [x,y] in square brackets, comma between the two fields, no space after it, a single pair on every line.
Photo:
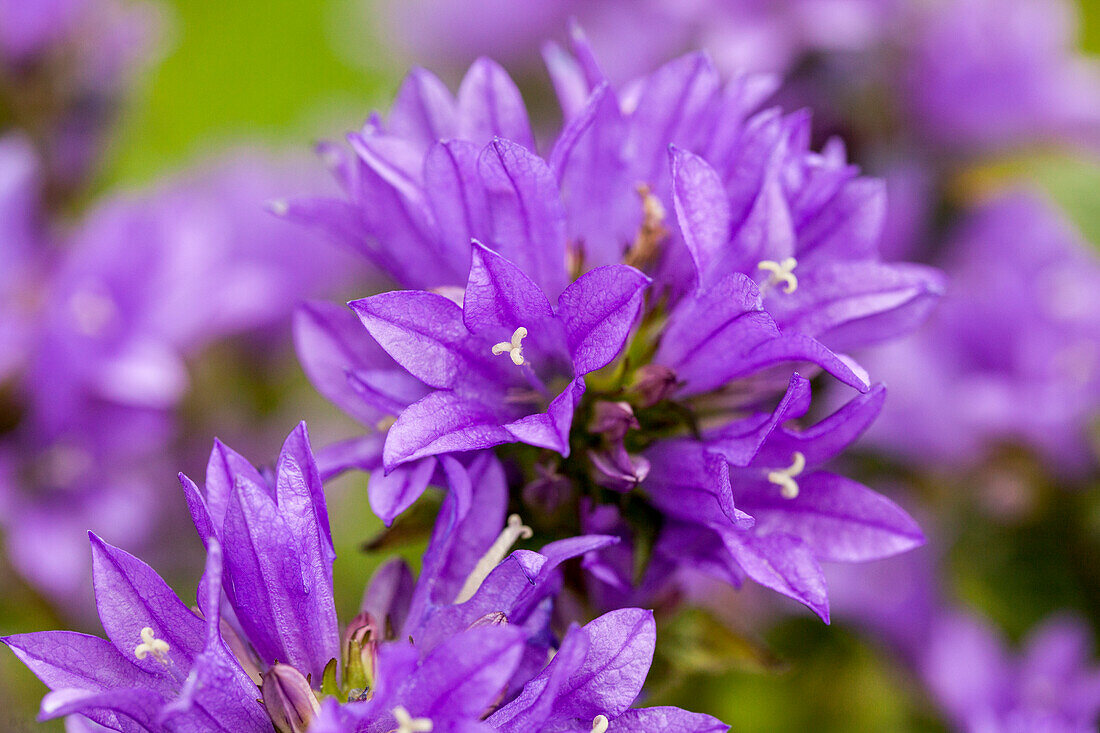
[613,419]
[549,491]
[618,470]
[653,383]
[361,639]
[288,698]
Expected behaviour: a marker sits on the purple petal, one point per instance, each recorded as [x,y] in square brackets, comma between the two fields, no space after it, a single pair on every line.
[783,563]
[722,334]
[225,469]
[550,429]
[466,674]
[599,309]
[602,209]
[826,439]
[392,493]
[218,694]
[837,518]
[739,442]
[620,650]
[140,705]
[291,617]
[457,198]
[668,112]
[443,422]
[389,594]
[130,596]
[67,659]
[849,228]
[330,342]
[490,105]
[667,720]
[457,541]
[528,216]
[421,331]
[363,453]
[423,109]
[767,233]
[531,709]
[687,482]
[301,501]
[702,210]
[500,298]
[856,304]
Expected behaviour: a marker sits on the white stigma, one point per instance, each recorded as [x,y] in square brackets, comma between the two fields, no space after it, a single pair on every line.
[150,644]
[784,478]
[513,347]
[514,530]
[781,272]
[600,724]
[408,724]
[278,207]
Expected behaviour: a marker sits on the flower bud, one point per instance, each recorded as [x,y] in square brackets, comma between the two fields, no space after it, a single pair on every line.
[288,698]
[361,639]
[497,618]
[617,470]
[549,491]
[653,383]
[613,419]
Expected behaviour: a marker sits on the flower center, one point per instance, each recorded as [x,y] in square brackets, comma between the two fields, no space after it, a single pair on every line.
[514,530]
[781,272]
[600,724]
[408,724]
[513,347]
[784,478]
[150,644]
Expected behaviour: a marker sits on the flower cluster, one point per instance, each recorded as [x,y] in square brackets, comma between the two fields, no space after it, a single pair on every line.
[264,649]
[608,374]
[635,316]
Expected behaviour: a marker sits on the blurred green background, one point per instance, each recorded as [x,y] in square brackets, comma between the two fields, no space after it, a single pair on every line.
[286,73]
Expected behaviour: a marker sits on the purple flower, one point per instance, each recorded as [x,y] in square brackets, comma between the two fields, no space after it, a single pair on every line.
[971,673]
[989,74]
[1049,685]
[749,500]
[592,681]
[495,361]
[1012,353]
[633,36]
[278,552]
[164,667]
[66,65]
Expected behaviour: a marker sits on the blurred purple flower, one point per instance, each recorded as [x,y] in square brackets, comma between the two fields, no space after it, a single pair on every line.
[631,36]
[65,66]
[989,74]
[21,231]
[1012,354]
[1049,686]
[141,288]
